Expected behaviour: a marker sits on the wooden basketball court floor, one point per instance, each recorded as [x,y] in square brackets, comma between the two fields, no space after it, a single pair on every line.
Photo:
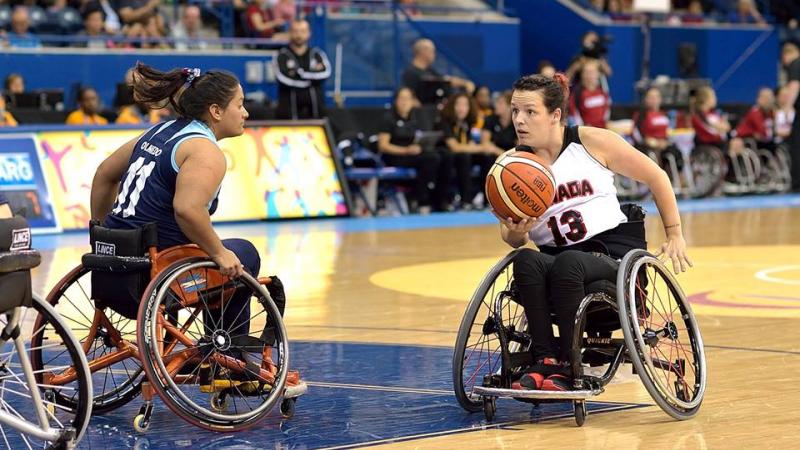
[373,309]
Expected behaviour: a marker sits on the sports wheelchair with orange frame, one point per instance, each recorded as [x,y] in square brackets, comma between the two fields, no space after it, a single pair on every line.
[660,337]
[145,320]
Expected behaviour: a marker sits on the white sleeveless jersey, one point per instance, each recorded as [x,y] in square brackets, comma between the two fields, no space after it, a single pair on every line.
[585,201]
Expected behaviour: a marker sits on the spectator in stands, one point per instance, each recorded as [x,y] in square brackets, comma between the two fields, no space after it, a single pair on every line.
[263,22]
[710,127]
[131,113]
[111,22]
[618,11]
[14,84]
[694,13]
[590,104]
[759,122]
[398,143]
[787,12]
[286,10]
[483,98]
[141,18]
[6,119]
[459,120]
[94,29]
[300,71]
[784,116]
[421,70]
[746,12]
[88,109]
[790,57]
[546,68]
[19,36]
[593,48]
[189,28]
[499,134]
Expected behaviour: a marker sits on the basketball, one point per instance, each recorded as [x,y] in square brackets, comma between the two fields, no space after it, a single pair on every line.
[520,185]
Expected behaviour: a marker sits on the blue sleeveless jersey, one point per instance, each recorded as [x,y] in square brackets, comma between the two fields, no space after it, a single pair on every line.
[147,189]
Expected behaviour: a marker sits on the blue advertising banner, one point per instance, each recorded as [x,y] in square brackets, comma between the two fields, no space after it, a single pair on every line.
[22,181]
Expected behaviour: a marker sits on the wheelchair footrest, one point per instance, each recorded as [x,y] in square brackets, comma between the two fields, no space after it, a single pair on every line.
[543,395]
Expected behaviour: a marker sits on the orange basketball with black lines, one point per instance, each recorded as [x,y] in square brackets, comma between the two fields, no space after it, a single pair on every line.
[520,185]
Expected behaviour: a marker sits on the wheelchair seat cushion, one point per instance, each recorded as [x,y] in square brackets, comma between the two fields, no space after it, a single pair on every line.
[15,234]
[119,265]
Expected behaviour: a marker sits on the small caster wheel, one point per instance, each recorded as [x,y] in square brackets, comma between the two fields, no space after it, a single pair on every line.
[489,408]
[140,424]
[219,402]
[287,407]
[580,412]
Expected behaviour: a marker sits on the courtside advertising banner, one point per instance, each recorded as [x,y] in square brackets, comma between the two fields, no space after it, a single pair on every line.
[281,171]
[23,182]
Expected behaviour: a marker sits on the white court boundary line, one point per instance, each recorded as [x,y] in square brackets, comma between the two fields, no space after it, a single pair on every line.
[765,275]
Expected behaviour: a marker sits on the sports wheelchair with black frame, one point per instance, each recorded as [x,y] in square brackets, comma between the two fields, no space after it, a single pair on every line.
[660,337]
[30,416]
[146,322]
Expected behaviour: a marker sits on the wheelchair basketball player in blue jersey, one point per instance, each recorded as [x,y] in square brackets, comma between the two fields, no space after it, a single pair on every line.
[586,246]
[171,176]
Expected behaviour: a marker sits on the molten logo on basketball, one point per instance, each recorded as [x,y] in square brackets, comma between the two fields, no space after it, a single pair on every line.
[526,199]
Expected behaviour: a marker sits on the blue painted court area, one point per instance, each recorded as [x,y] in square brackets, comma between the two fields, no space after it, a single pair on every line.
[359,395]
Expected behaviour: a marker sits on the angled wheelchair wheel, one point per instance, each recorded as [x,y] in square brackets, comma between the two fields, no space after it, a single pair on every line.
[661,334]
[481,344]
[216,375]
[103,336]
[63,352]
[708,169]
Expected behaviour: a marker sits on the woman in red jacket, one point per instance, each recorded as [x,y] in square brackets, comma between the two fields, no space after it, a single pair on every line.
[710,127]
[759,123]
[651,128]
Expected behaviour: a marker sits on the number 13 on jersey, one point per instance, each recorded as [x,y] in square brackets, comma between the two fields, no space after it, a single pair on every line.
[573,221]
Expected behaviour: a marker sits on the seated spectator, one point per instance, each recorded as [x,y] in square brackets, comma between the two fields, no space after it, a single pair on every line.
[19,36]
[14,84]
[88,109]
[421,70]
[111,21]
[618,12]
[746,12]
[131,113]
[483,98]
[590,104]
[459,117]
[286,10]
[190,28]
[499,134]
[141,19]
[784,115]
[694,13]
[262,21]
[397,141]
[94,29]
[759,121]
[710,127]
[546,68]
[6,119]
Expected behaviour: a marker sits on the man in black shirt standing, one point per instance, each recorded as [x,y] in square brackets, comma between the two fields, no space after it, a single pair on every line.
[790,56]
[300,71]
[421,70]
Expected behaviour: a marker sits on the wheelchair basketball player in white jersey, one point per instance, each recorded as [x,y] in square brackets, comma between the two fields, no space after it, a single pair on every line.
[584,217]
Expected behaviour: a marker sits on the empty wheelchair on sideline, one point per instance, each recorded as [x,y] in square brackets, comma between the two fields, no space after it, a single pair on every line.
[30,414]
[152,322]
[659,336]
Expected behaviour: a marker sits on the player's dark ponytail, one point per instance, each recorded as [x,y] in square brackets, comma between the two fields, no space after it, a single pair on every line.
[555,90]
[189,91]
